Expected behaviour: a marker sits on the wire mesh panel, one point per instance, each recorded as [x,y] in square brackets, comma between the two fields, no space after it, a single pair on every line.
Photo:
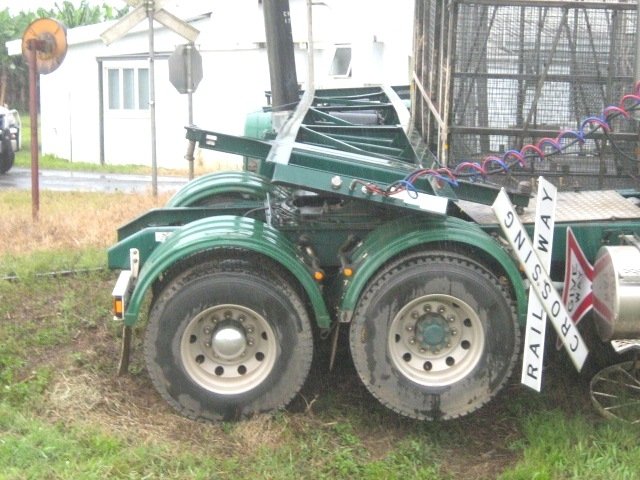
[495,77]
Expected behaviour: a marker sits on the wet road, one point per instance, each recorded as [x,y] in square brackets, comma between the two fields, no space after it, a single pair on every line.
[58,180]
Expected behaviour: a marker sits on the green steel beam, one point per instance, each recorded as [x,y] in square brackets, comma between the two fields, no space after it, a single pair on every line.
[222,142]
[179,216]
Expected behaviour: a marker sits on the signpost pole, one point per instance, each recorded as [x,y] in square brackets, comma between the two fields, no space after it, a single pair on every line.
[44,45]
[189,50]
[185,72]
[152,99]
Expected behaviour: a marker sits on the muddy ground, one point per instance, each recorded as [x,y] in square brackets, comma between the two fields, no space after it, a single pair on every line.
[85,389]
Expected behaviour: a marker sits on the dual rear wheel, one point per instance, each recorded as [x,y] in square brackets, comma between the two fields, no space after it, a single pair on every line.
[434,336]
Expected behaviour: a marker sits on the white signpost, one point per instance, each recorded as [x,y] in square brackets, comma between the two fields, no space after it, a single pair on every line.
[536,317]
[539,279]
[152,10]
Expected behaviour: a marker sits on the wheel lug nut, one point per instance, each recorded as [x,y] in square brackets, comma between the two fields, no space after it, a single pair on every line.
[427,308]
[412,341]
[453,332]
[414,314]
[227,315]
[422,350]
[441,309]
[242,318]
[207,331]
[409,328]
[249,329]
[207,344]
[250,343]
[451,319]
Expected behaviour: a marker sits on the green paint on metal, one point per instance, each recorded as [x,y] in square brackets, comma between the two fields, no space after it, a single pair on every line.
[258,125]
[226,232]
[145,240]
[181,216]
[590,236]
[395,238]
[322,143]
[223,142]
[216,184]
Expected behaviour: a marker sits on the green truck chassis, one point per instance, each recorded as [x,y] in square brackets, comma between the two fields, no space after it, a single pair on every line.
[338,219]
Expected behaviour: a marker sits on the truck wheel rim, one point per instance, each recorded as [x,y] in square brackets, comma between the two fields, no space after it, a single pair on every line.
[228,349]
[436,340]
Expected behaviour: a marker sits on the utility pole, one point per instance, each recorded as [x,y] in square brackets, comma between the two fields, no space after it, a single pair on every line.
[282,65]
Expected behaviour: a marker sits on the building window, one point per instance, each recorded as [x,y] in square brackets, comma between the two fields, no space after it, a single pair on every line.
[128,88]
[143,88]
[114,88]
[341,64]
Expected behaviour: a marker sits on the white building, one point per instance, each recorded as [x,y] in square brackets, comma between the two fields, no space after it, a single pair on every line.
[94,107]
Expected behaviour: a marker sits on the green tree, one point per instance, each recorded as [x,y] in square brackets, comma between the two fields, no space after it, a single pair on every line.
[84,14]
[13,70]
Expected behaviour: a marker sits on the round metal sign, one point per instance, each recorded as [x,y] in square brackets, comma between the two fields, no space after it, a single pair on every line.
[48,38]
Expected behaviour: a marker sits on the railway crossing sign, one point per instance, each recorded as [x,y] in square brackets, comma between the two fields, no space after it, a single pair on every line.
[148,9]
[532,358]
[539,279]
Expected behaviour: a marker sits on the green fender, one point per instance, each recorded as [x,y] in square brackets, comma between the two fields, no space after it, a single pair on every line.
[223,182]
[391,240]
[226,232]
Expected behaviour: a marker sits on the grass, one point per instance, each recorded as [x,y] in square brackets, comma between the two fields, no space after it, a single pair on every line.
[52,162]
[64,414]
[560,446]
[32,448]
[70,225]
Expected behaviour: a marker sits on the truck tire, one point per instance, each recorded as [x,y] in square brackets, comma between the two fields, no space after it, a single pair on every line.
[226,340]
[435,336]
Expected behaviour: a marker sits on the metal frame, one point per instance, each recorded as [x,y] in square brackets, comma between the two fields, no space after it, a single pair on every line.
[325,146]
[453,100]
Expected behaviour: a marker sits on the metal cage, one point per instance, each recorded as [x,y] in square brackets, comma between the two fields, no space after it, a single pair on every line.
[494,76]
